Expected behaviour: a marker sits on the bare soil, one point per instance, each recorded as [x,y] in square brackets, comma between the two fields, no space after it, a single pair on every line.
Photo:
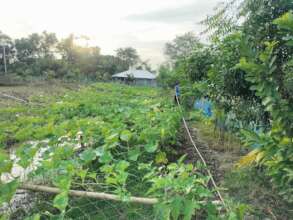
[248,186]
[33,92]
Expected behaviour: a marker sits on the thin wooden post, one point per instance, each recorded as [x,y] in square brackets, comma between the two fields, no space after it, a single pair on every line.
[86,194]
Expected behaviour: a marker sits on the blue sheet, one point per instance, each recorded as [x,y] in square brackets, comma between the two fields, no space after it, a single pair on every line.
[205,106]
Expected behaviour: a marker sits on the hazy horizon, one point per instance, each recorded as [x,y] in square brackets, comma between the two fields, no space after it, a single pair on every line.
[145,25]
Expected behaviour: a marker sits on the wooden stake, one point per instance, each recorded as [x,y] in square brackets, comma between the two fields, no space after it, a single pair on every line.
[86,194]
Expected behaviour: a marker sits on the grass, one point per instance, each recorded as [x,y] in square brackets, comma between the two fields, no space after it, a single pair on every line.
[250,186]
[247,185]
[217,140]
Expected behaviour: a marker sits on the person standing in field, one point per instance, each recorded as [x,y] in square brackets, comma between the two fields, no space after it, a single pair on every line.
[177,93]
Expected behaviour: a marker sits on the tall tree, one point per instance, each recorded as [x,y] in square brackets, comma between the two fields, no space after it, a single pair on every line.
[48,44]
[145,65]
[128,55]
[7,48]
[66,49]
[181,47]
[36,46]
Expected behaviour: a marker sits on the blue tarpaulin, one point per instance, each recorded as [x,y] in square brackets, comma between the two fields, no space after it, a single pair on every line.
[204,105]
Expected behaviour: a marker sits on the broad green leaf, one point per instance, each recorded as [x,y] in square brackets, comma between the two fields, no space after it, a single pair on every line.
[122,165]
[121,177]
[211,210]
[26,154]
[203,192]
[88,155]
[99,151]
[232,216]
[189,209]
[133,154]
[113,138]
[63,182]
[92,175]
[125,135]
[107,168]
[162,211]
[63,152]
[82,174]
[285,21]
[182,158]
[5,162]
[161,158]
[61,201]
[33,217]
[290,43]
[151,147]
[7,190]
[4,217]
[106,157]
[176,206]
[267,100]
[111,180]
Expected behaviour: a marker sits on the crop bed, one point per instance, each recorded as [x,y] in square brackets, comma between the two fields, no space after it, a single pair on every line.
[103,138]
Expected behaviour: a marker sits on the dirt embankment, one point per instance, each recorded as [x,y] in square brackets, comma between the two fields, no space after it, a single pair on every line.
[219,160]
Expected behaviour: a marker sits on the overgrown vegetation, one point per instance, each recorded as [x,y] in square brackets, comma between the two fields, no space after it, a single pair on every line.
[123,140]
[246,71]
[106,138]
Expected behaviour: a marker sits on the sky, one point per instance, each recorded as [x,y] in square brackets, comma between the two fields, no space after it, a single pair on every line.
[143,24]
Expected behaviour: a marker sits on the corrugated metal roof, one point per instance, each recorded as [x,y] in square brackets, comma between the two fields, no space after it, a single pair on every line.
[137,74]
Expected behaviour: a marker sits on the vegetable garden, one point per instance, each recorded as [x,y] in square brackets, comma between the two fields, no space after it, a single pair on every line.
[104,138]
[110,151]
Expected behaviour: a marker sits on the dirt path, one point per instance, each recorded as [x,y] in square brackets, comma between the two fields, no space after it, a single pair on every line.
[219,161]
[248,188]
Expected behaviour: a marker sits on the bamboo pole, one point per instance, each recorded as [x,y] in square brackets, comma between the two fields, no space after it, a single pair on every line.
[86,194]
[19,99]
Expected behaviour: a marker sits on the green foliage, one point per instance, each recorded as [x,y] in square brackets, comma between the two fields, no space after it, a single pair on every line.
[61,201]
[128,55]
[167,77]
[182,47]
[38,57]
[95,139]
[183,189]
[33,217]
[7,191]
[285,21]
[5,162]
[249,79]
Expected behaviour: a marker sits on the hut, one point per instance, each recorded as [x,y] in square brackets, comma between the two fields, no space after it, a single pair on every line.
[136,77]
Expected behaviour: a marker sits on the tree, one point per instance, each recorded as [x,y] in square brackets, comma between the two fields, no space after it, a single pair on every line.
[144,65]
[110,64]
[198,63]
[128,55]
[167,76]
[66,49]
[36,46]
[48,43]
[6,44]
[181,47]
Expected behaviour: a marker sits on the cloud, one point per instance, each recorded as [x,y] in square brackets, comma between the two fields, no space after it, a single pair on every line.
[186,13]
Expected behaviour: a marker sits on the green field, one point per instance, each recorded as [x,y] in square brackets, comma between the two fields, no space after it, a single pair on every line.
[104,138]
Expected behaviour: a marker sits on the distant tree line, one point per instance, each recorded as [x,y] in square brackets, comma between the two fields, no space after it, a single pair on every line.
[45,56]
